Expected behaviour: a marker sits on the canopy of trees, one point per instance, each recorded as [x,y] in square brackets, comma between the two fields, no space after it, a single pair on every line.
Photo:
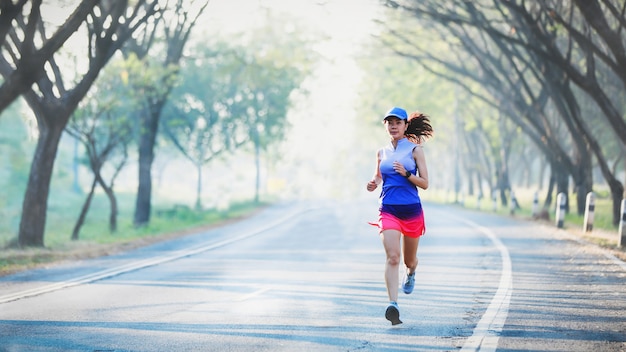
[108,110]
[553,70]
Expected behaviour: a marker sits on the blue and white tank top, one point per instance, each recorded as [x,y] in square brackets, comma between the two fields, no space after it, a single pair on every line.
[397,189]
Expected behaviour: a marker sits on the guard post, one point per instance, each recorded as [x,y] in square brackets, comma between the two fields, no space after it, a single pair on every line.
[589,210]
[560,210]
[622,225]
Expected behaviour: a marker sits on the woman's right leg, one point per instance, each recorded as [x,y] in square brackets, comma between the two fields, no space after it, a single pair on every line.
[391,242]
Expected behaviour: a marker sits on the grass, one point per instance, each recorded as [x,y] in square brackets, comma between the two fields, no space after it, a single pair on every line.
[168,220]
[603,234]
[602,214]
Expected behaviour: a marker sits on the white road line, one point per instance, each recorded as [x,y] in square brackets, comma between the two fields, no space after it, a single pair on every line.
[122,269]
[253,294]
[487,332]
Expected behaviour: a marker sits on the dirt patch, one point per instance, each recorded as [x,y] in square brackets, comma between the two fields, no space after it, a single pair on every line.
[603,239]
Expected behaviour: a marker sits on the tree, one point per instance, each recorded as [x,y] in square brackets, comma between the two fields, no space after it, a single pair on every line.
[265,90]
[176,25]
[533,61]
[53,103]
[230,96]
[104,127]
[199,119]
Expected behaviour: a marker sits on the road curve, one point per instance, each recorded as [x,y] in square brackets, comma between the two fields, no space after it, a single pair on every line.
[308,276]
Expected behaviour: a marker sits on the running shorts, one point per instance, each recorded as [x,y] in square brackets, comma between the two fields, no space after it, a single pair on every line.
[412,227]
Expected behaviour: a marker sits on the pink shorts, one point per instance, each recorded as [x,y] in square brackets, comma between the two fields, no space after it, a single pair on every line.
[414,227]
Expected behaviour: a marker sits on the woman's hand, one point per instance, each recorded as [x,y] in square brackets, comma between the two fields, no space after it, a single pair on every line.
[399,168]
[371,185]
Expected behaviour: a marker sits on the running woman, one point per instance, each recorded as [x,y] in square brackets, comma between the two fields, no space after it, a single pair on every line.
[401,168]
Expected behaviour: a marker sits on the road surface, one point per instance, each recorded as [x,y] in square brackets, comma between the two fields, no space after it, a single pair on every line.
[308,276]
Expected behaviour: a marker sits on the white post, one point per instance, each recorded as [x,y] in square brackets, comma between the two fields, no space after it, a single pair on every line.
[589,210]
[622,225]
[560,209]
[535,205]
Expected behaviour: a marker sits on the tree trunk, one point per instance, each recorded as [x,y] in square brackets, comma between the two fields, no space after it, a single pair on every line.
[177,33]
[84,210]
[199,187]
[504,186]
[543,165]
[502,183]
[108,190]
[149,126]
[34,206]
[479,185]
[548,200]
[617,194]
[562,183]
[53,104]
[616,187]
[584,184]
[257,159]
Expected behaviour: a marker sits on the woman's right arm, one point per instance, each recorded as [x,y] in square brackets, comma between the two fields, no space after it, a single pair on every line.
[376,179]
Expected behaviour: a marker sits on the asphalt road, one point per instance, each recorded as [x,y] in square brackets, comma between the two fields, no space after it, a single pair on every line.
[309,277]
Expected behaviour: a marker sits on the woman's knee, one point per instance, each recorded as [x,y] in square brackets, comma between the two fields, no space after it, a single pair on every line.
[411,262]
[391,242]
[393,257]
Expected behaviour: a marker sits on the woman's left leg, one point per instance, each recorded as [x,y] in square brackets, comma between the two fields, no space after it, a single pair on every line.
[409,252]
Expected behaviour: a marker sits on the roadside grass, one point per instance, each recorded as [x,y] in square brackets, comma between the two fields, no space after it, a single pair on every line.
[167,220]
[602,214]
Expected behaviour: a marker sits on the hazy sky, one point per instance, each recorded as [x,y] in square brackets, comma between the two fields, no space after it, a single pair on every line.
[314,154]
[322,125]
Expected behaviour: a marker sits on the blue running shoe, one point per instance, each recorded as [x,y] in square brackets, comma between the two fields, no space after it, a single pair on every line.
[409,283]
[393,313]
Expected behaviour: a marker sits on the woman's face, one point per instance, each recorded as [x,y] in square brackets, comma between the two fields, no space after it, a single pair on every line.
[395,127]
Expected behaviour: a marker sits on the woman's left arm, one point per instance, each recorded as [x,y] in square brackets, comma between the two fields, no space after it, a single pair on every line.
[421,179]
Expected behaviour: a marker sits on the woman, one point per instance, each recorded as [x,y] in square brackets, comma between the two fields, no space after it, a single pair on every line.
[401,168]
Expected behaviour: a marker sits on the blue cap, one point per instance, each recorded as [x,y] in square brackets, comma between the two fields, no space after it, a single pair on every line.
[396,112]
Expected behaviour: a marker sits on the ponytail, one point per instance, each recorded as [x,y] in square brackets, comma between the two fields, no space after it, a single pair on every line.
[419,128]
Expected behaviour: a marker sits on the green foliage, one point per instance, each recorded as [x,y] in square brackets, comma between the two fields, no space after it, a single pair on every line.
[104,120]
[229,94]
[198,117]
[232,95]
[147,78]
